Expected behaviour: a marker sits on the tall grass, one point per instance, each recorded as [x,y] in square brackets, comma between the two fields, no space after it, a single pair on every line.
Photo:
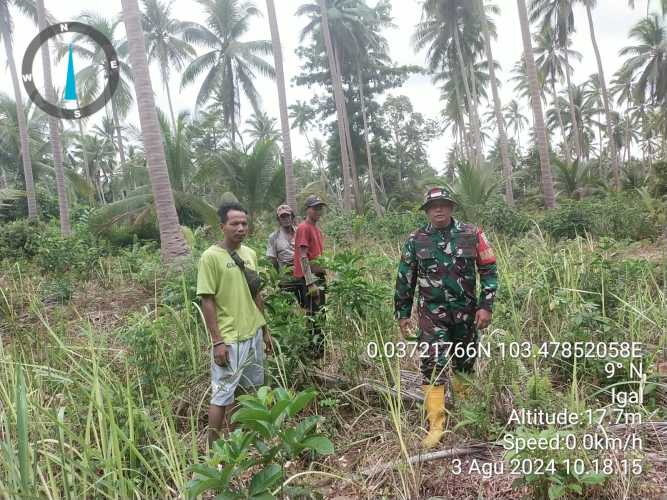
[75,421]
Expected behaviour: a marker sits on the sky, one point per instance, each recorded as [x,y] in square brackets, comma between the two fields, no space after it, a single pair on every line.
[613,20]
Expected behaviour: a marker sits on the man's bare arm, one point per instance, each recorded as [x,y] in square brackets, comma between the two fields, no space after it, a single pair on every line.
[305,266]
[220,355]
[268,341]
[210,317]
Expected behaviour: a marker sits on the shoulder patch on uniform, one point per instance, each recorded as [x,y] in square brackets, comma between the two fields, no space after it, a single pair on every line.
[466,228]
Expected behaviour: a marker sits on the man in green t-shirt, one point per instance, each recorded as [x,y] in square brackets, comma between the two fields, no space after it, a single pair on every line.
[233,318]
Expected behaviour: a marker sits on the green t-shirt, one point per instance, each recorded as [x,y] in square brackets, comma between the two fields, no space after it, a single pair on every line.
[218,275]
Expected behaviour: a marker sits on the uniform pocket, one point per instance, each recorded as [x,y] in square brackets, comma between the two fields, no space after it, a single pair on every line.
[425,258]
[466,246]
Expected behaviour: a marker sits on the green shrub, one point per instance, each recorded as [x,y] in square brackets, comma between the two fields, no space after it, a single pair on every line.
[180,286]
[660,178]
[569,220]
[504,219]
[266,439]
[20,239]
[47,205]
[76,254]
[155,352]
[620,216]
[59,289]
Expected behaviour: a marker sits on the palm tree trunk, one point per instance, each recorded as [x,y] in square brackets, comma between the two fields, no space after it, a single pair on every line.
[20,114]
[382,186]
[566,142]
[540,131]
[339,100]
[628,140]
[290,183]
[369,157]
[616,167]
[54,131]
[119,138]
[173,243]
[474,122]
[498,108]
[462,127]
[171,106]
[86,160]
[399,157]
[358,199]
[573,113]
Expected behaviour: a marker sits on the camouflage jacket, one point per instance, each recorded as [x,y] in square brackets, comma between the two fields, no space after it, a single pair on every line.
[442,262]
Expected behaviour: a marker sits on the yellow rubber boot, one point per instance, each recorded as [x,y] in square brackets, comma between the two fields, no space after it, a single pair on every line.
[435,411]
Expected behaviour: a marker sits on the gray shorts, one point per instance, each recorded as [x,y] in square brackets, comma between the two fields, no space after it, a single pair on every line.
[245,368]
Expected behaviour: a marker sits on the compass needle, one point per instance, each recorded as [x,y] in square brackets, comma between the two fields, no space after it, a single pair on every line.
[70,86]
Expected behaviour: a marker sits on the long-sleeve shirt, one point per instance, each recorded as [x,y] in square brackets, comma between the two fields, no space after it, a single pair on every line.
[443,264]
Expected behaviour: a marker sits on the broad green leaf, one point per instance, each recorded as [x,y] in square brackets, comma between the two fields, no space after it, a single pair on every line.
[278,409]
[592,478]
[300,402]
[263,394]
[197,487]
[246,414]
[320,444]
[266,479]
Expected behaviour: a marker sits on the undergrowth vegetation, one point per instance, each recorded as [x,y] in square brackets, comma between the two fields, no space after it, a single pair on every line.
[104,372]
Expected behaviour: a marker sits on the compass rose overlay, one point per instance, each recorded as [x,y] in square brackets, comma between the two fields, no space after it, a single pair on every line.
[112,68]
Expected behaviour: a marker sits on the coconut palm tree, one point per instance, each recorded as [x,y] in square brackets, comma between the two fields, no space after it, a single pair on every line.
[254,177]
[302,116]
[647,61]
[10,141]
[178,150]
[262,128]
[54,131]
[163,44]
[515,120]
[584,112]
[229,64]
[559,15]
[616,166]
[540,131]
[319,15]
[551,64]
[173,243]
[290,182]
[6,33]
[444,23]
[497,106]
[347,34]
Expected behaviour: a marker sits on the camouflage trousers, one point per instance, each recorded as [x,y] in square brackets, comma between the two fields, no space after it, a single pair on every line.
[448,345]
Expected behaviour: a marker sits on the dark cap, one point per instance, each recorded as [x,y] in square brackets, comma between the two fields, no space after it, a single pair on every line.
[313,201]
[436,193]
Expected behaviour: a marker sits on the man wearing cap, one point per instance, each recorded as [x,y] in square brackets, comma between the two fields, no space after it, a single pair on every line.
[280,249]
[309,245]
[442,258]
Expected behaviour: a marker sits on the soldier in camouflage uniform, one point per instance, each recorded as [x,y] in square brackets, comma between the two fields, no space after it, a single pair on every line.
[443,258]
